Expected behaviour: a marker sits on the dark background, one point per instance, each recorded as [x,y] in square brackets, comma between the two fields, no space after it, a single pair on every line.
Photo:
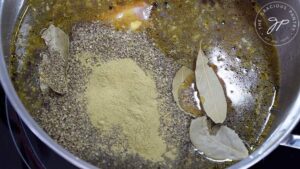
[282,157]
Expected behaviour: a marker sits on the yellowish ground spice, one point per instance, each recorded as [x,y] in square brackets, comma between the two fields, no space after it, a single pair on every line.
[120,93]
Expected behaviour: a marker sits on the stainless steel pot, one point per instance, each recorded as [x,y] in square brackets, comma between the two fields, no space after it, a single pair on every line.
[286,117]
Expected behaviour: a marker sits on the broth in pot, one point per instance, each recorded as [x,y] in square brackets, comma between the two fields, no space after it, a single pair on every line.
[147,84]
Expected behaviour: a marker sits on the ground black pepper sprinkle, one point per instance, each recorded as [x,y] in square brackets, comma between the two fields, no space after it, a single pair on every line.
[65,119]
[87,142]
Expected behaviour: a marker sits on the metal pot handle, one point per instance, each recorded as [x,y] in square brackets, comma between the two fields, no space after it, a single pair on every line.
[292,141]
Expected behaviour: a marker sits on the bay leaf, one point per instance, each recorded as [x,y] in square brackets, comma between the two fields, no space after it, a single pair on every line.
[210,89]
[52,73]
[183,92]
[53,66]
[56,40]
[179,78]
[226,144]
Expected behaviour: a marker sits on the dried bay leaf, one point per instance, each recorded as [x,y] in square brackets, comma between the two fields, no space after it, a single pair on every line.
[226,144]
[184,92]
[179,78]
[210,89]
[56,40]
[52,69]
[52,73]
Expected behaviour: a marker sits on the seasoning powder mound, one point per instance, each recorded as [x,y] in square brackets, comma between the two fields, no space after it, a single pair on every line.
[120,93]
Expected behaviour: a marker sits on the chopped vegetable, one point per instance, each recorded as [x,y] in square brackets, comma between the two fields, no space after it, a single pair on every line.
[131,16]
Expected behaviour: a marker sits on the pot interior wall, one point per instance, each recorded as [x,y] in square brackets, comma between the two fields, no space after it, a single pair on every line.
[9,15]
[289,59]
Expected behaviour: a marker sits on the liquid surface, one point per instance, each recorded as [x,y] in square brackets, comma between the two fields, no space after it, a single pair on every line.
[248,69]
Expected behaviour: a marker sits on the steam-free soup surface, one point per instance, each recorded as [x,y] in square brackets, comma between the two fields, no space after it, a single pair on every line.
[153,48]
